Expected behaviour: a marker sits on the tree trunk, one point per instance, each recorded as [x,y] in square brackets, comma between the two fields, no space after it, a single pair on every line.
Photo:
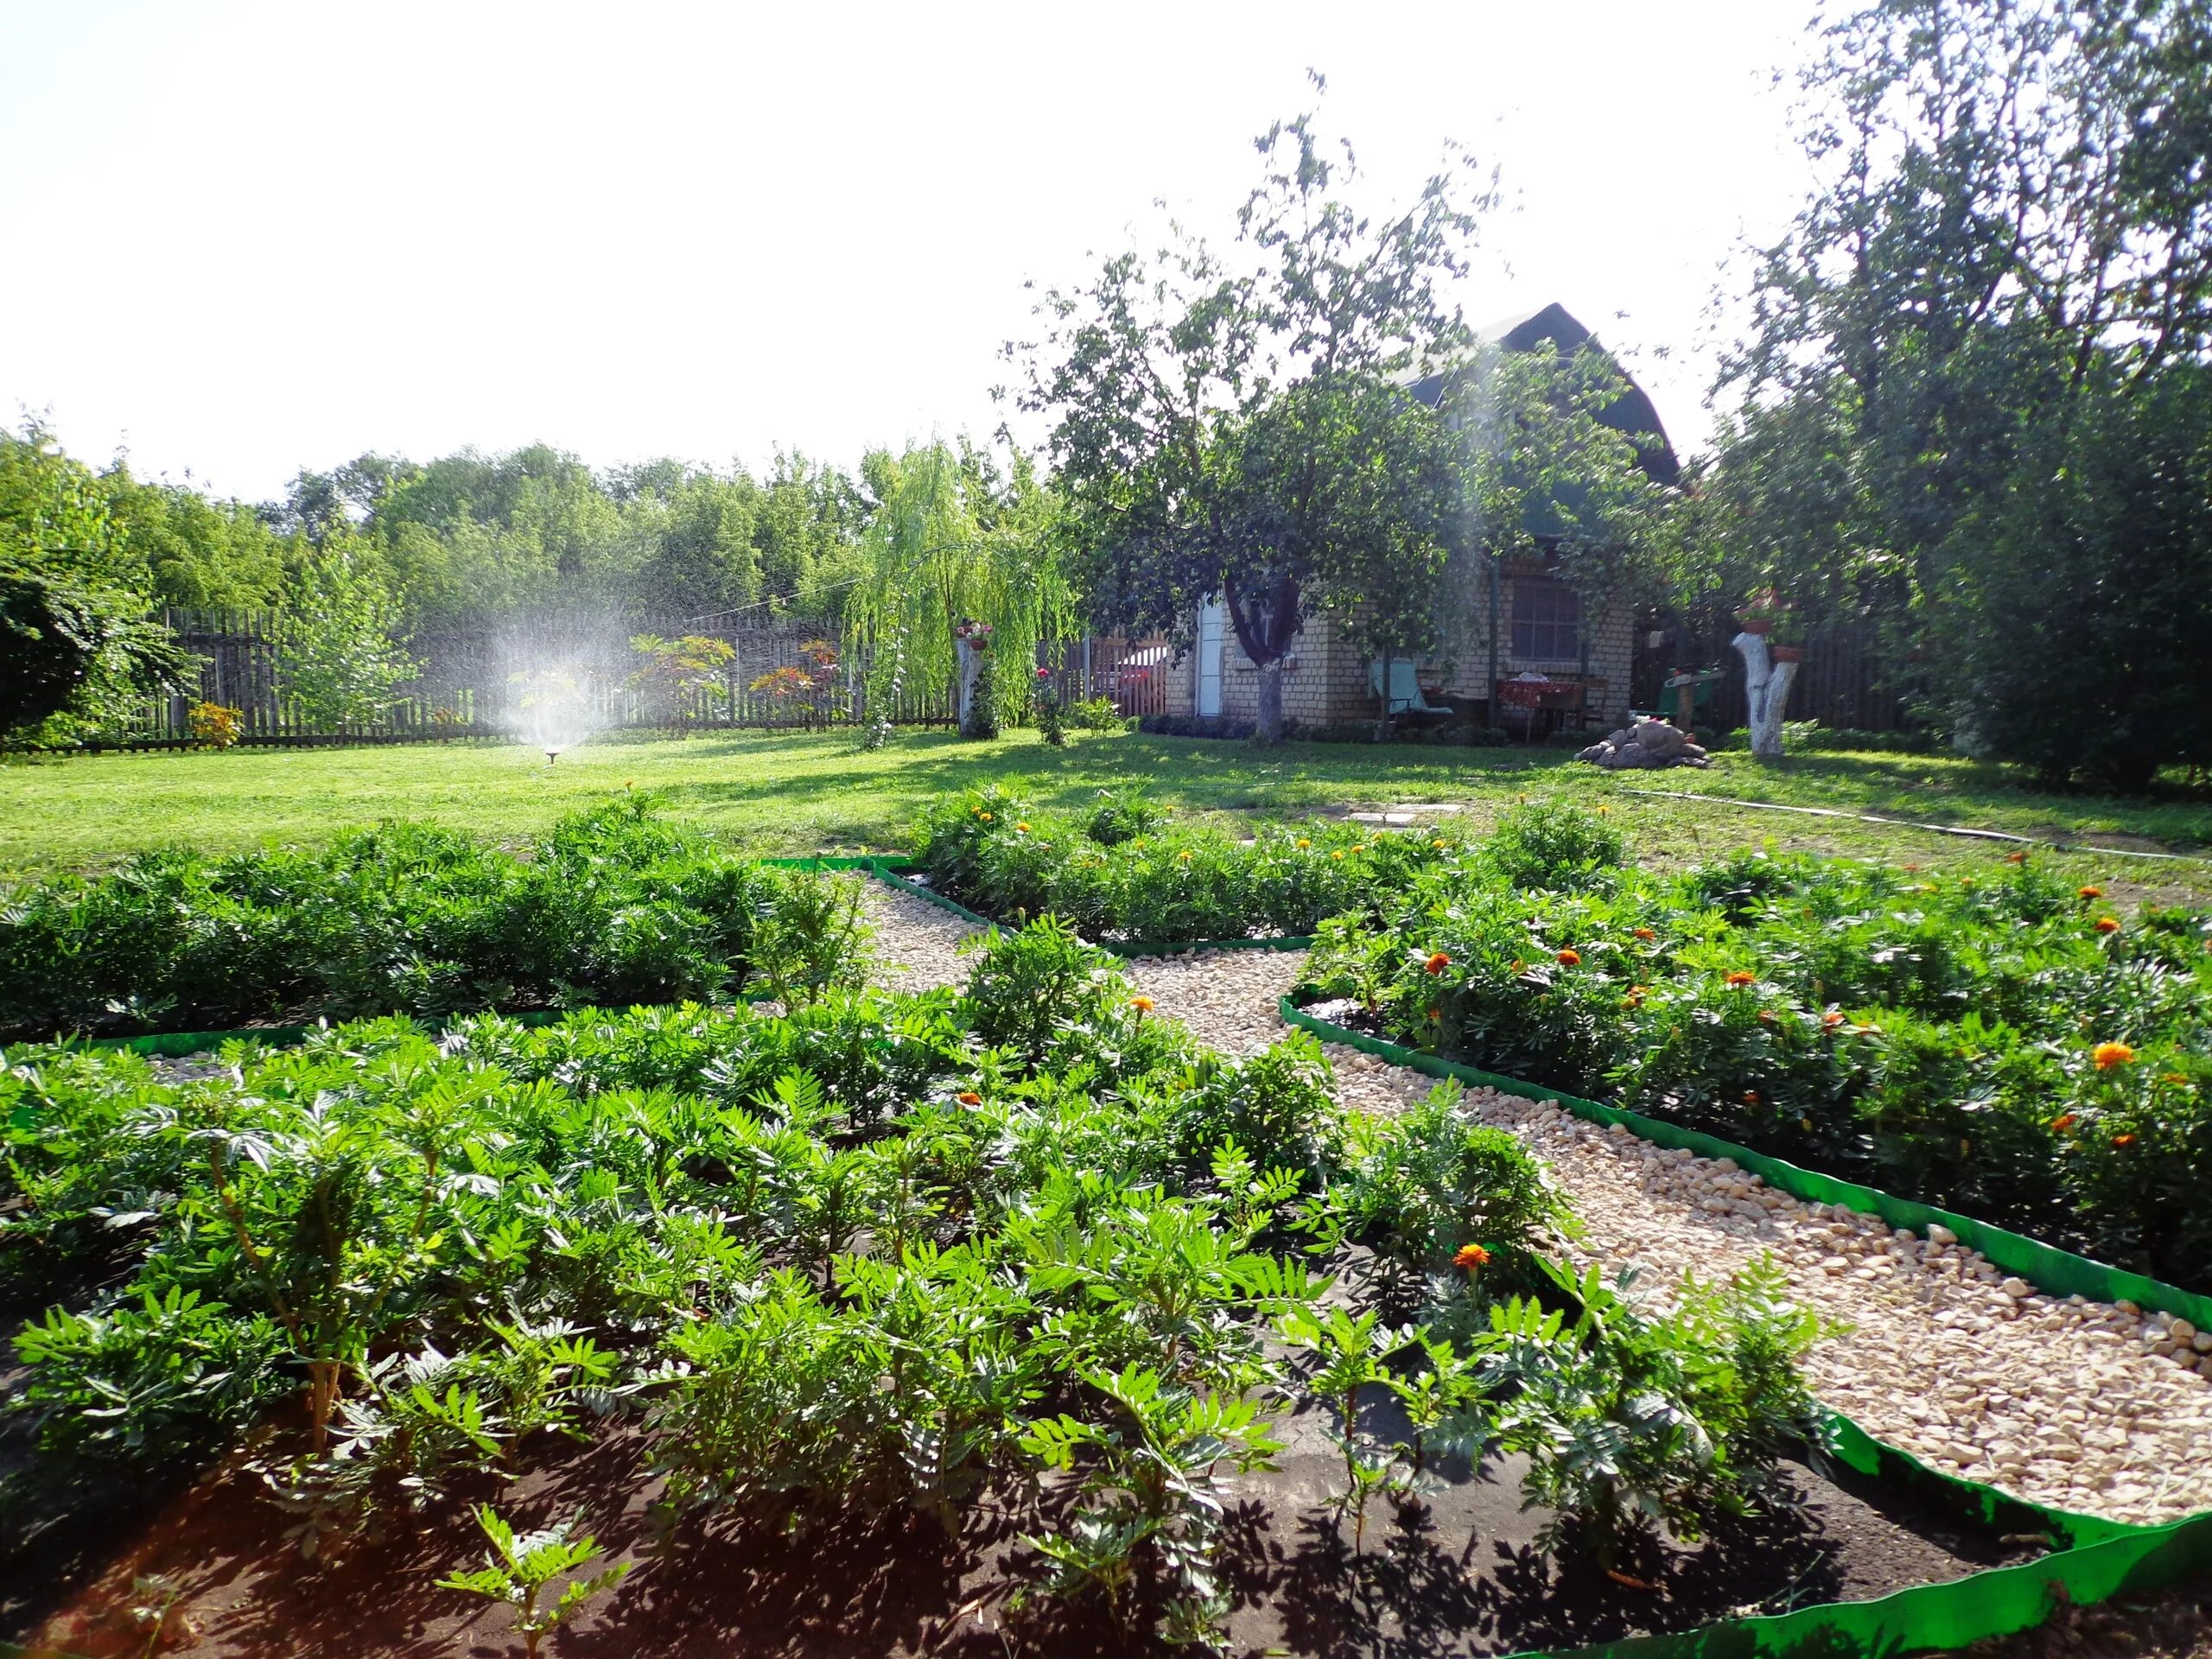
[972,723]
[1270,712]
[1766,692]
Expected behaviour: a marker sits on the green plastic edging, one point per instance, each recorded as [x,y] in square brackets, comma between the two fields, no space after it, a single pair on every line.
[1118,947]
[2105,1558]
[2056,1272]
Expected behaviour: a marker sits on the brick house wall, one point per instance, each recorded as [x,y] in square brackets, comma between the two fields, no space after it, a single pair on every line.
[1326,682]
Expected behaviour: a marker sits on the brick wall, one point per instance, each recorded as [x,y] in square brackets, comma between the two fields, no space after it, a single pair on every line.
[1327,683]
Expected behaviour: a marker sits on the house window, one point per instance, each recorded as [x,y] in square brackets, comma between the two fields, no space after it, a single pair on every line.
[1547,621]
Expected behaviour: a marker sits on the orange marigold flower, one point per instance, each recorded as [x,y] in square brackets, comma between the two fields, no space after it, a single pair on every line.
[1831,1019]
[2091,893]
[1571,957]
[2106,924]
[1471,1257]
[1142,1004]
[2063,1122]
[969,1097]
[1643,933]
[1437,963]
[1635,995]
[2173,1077]
[1021,829]
[1740,978]
[2108,1055]
[1751,1096]
[1435,1018]
[2123,1140]
[2015,858]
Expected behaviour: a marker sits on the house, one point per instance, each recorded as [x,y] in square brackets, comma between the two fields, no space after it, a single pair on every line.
[1535,624]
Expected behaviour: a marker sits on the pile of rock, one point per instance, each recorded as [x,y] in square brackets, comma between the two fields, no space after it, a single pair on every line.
[1648,743]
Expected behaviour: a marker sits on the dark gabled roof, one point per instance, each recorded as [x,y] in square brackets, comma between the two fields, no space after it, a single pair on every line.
[1631,411]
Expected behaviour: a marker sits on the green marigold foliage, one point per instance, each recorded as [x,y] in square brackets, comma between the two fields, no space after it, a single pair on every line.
[616,905]
[2004,1046]
[872,1253]
[1125,871]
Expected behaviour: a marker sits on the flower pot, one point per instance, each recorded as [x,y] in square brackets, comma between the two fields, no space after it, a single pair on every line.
[1787,654]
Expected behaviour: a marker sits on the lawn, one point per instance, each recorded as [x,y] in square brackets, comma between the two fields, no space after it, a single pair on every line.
[788,792]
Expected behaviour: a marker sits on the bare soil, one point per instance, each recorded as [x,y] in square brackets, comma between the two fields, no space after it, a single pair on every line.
[1454,1574]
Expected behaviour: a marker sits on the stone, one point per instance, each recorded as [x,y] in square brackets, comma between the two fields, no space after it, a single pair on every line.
[1939,1234]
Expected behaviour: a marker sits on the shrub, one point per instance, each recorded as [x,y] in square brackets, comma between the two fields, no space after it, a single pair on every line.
[1551,844]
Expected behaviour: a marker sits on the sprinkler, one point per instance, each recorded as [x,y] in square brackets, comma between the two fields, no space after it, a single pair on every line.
[552,754]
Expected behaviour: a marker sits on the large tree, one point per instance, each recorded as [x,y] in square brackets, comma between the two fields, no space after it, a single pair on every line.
[1227,425]
[2010,239]
[79,641]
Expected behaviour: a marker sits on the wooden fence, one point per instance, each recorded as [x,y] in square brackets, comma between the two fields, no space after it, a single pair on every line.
[1847,681]
[578,670]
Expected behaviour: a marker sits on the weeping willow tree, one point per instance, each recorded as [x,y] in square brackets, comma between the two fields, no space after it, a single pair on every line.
[955,546]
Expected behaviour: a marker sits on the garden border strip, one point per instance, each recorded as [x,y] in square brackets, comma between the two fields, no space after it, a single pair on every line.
[1118,947]
[2106,1557]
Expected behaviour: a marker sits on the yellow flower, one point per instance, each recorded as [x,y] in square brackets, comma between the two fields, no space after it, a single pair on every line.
[1021,829]
[2108,1055]
[1184,854]
[1304,842]
[1142,1004]
[1339,853]
[986,817]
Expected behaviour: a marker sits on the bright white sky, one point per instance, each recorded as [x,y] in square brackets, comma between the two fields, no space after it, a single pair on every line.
[246,239]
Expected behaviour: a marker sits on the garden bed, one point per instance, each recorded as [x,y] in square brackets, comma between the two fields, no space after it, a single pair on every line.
[1131,880]
[1456,1574]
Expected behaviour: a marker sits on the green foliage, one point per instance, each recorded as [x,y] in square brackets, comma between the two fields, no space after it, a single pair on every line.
[1231,428]
[1937,1039]
[1028,988]
[1952,417]
[618,905]
[1633,1423]
[77,641]
[953,540]
[337,654]
[520,1566]
[1420,1185]
[1151,880]
[1552,844]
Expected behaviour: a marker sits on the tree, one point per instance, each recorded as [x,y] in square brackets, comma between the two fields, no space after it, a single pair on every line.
[1231,431]
[2011,233]
[338,657]
[78,642]
[956,552]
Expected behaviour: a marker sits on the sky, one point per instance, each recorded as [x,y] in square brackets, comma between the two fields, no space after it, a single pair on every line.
[245,239]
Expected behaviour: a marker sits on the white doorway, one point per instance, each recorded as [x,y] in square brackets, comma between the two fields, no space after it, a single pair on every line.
[1212,629]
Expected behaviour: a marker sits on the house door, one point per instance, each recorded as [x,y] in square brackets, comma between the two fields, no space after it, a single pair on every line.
[1212,620]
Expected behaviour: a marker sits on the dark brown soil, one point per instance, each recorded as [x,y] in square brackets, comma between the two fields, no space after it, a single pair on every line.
[1456,1574]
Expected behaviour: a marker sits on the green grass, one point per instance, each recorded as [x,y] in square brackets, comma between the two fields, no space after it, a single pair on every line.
[793,793]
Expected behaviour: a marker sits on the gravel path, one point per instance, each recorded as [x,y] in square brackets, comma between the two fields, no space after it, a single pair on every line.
[915,941]
[2079,1406]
